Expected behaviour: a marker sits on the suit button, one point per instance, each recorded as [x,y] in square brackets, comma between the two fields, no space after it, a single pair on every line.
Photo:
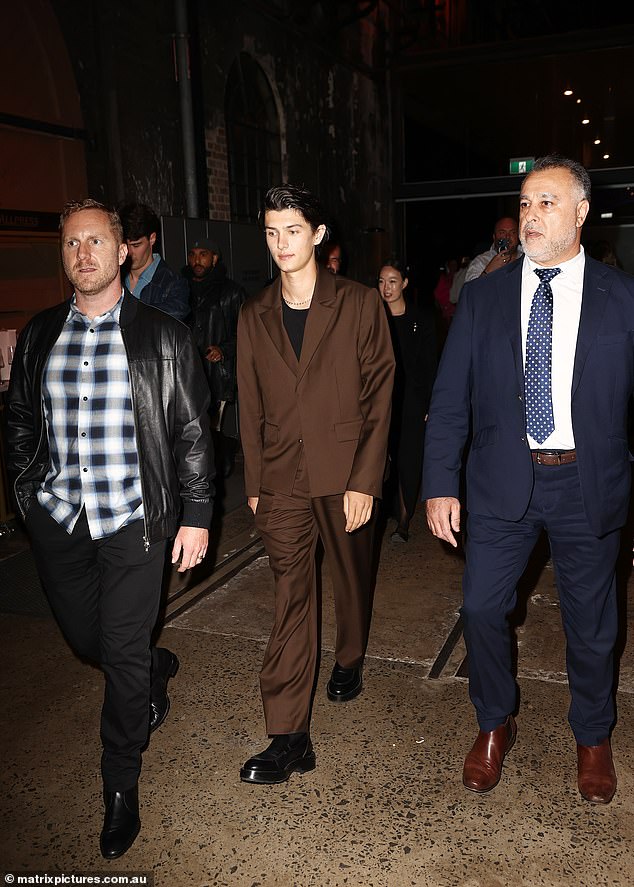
[523,439]
[300,440]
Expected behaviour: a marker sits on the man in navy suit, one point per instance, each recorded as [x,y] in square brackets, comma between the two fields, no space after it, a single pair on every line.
[539,364]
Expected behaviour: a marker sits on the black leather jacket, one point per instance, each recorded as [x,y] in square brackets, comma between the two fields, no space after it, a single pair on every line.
[170,401]
[215,306]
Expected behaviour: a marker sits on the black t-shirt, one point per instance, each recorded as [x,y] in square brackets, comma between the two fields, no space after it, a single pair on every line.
[295,324]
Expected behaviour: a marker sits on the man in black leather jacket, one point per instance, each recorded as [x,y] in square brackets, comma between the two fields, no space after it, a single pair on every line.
[110,456]
[215,305]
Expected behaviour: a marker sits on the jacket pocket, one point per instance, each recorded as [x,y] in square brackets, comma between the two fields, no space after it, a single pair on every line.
[485,437]
[271,433]
[348,430]
[619,448]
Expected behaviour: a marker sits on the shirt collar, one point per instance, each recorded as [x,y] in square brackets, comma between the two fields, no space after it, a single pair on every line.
[571,265]
[146,276]
[75,314]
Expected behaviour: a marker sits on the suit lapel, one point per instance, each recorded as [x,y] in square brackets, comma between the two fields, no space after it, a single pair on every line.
[509,289]
[271,315]
[319,317]
[596,287]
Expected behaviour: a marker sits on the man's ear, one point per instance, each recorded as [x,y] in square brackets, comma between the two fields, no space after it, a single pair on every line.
[152,238]
[583,207]
[319,235]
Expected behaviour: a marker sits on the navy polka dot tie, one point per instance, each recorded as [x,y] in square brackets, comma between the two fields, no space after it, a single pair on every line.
[540,422]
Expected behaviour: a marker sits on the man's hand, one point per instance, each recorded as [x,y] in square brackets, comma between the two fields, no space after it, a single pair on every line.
[357,508]
[443,518]
[191,546]
[213,354]
[252,502]
[499,261]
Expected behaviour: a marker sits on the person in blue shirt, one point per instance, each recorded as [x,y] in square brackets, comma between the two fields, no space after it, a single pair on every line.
[148,277]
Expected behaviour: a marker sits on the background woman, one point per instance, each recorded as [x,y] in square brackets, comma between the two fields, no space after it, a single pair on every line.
[413,331]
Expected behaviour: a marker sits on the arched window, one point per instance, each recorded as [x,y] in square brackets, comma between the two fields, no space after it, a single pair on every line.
[253,138]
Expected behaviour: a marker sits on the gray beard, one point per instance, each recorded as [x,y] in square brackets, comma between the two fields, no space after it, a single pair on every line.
[554,248]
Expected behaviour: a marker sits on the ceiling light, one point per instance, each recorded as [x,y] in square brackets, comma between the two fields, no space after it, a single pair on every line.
[597,141]
[585,120]
[606,156]
[578,101]
[567,92]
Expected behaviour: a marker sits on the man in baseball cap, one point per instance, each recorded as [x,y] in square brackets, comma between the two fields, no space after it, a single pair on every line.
[215,302]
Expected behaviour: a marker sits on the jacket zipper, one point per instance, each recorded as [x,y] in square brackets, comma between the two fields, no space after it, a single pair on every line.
[146,536]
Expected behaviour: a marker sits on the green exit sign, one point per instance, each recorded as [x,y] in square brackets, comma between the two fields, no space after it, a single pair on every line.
[521,165]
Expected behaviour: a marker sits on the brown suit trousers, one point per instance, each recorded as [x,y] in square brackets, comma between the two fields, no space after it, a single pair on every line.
[290,527]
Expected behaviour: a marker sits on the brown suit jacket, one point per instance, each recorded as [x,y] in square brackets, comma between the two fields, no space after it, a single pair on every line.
[334,403]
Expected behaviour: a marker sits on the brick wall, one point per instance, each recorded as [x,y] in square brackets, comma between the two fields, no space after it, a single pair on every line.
[218,174]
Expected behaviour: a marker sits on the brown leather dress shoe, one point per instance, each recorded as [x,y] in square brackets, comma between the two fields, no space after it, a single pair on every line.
[596,776]
[483,764]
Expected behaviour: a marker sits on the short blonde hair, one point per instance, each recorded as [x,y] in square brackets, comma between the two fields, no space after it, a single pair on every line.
[75,206]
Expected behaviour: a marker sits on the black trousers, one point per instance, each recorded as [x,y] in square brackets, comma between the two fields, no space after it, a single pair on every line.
[405,446]
[105,595]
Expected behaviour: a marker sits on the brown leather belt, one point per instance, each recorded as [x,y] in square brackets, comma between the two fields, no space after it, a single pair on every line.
[550,457]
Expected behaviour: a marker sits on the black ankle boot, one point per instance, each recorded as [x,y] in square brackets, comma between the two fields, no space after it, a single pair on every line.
[164,666]
[121,822]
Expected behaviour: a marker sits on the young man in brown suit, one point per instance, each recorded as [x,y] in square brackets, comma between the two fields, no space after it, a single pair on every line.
[315,372]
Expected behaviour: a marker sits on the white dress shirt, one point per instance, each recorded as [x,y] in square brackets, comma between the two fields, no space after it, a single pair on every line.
[567,289]
[477,265]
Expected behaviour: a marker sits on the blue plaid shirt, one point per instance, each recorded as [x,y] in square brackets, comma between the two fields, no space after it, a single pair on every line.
[90,424]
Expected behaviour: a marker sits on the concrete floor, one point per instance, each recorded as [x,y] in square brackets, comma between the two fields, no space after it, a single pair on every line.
[385,806]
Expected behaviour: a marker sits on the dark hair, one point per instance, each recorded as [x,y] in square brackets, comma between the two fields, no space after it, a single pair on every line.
[76,206]
[138,220]
[326,247]
[300,199]
[398,264]
[576,170]
[603,251]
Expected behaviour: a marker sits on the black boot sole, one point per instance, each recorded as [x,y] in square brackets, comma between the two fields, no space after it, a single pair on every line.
[344,697]
[109,854]
[259,777]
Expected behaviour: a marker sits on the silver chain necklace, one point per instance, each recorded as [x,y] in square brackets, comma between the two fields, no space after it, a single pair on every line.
[297,304]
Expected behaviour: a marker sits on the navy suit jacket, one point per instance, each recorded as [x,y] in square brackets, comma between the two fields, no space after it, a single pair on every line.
[480,387]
